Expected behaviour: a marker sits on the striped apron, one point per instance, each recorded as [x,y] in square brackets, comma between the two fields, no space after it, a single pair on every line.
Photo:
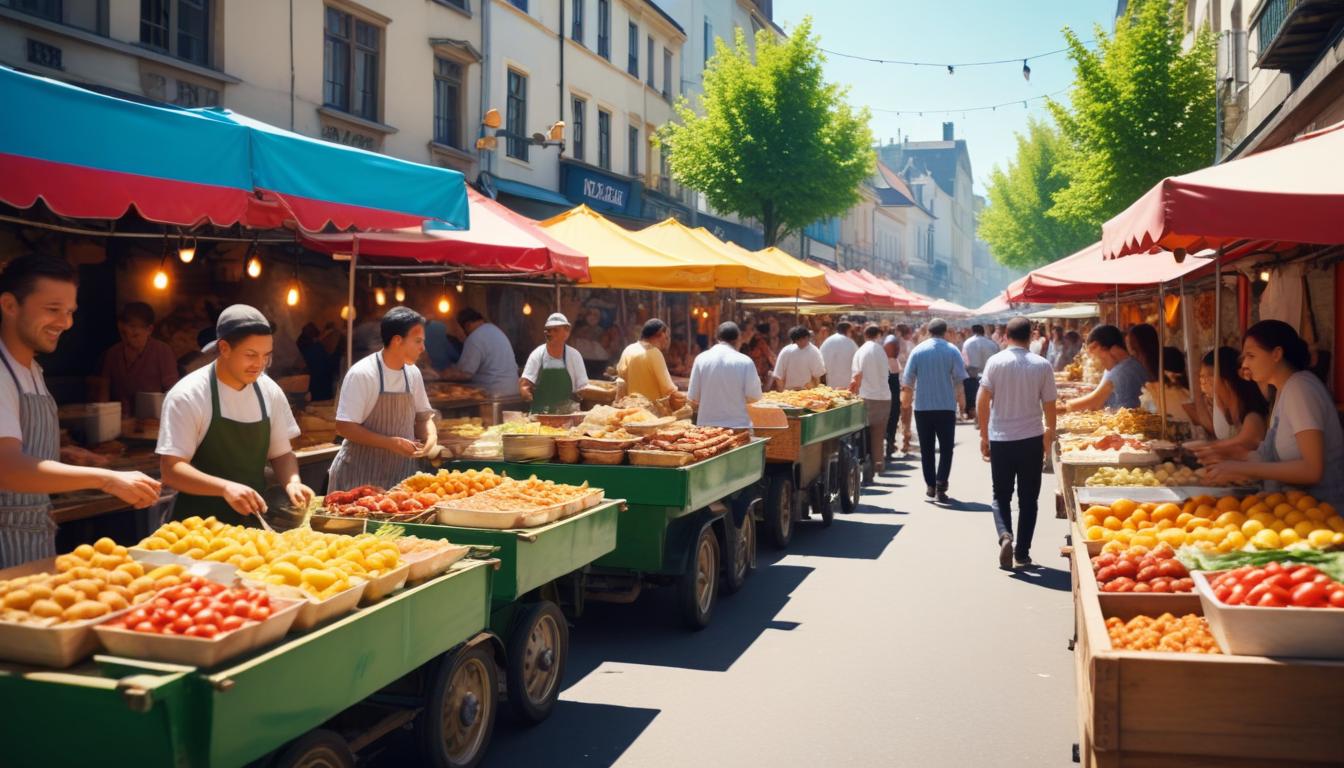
[27,532]
[393,414]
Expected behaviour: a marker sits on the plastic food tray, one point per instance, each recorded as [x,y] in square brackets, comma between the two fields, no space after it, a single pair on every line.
[472,518]
[1105,494]
[425,565]
[199,652]
[58,646]
[1312,633]
[528,447]
[386,584]
[659,458]
[311,611]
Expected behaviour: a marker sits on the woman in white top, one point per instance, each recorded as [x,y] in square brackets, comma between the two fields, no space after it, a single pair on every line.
[1303,447]
[1232,409]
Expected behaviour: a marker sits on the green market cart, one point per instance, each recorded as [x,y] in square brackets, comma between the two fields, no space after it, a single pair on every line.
[422,657]
[813,466]
[677,523]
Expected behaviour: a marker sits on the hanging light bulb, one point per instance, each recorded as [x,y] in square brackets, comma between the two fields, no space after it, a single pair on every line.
[186,252]
[527,308]
[292,295]
[379,296]
[444,304]
[160,278]
[460,286]
[254,267]
[1264,275]
[399,294]
[345,312]
[1026,71]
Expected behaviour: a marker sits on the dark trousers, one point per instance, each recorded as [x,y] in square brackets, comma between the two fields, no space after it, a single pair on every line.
[971,385]
[1016,462]
[894,384]
[943,426]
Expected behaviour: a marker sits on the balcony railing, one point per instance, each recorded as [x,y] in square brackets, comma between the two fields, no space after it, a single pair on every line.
[1291,34]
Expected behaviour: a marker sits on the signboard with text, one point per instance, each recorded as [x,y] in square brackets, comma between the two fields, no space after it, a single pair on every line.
[598,190]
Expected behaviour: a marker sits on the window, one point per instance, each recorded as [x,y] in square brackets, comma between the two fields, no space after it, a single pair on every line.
[515,122]
[667,74]
[90,15]
[634,150]
[448,102]
[648,75]
[709,40]
[604,139]
[604,29]
[632,62]
[576,21]
[350,64]
[580,110]
[520,5]
[47,9]
[190,19]
[458,4]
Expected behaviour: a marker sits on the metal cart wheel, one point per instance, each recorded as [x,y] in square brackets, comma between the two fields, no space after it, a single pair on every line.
[318,748]
[851,480]
[699,583]
[743,559]
[779,511]
[823,502]
[459,715]
[538,647]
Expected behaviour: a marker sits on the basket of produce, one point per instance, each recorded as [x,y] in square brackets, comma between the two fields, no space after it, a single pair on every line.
[528,447]
[644,458]
[567,450]
[559,420]
[201,623]
[603,456]
[1138,570]
[1283,610]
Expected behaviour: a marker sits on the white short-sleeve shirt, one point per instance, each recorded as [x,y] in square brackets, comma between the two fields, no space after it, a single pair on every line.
[187,413]
[30,383]
[723,381]
[838,353]
[1020,382]
[796,365]
[359,390]
[871,361]
[540,358]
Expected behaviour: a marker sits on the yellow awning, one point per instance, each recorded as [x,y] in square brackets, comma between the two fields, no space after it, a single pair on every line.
[802,278]
[617,260]
[731,269]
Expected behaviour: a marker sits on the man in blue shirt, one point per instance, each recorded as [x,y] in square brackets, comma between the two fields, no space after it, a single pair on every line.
[1122,384]
[935,372]
[487,357]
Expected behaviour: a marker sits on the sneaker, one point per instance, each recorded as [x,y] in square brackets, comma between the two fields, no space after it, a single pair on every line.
[1022,562]
[942,494]
[1006,551]
[929,491]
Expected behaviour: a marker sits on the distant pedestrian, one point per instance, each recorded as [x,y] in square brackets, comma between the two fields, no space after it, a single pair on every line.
[934,374]
[870,383]
[898,346]
[837,352]
[976,351]
[1016,412]
[799,365]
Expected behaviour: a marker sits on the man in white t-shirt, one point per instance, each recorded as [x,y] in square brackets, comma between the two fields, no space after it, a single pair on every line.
[222,424]
[37,305]
[384,412]
[723,382]
[870,371]
[799,365]
[976,351]
[554,377]
[837,351]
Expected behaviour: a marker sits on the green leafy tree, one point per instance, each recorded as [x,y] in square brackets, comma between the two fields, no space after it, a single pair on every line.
[1017,223]
[775,142]
[1142,108]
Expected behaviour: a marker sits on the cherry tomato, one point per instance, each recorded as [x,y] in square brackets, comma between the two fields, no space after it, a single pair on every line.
[1274,567]
[1222,593]
[1273,597]
[1238,594]
[136,616]
[186,592]
[1309,594]
[1281,580]
[161,602]
[260,613]
[231,623]
[1337,599]
[1253,577]
[1304,573]
[206,631]
[193,631]
[197,606]
[206,616]
[182,623]
[146,627]
[180,605]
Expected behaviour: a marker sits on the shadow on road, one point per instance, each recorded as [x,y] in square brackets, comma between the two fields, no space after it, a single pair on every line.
[1044,576]
[576,734]
[870,509]
[845,538]
[964,506]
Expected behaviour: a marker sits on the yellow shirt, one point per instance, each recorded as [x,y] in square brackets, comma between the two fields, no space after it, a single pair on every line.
[645,371]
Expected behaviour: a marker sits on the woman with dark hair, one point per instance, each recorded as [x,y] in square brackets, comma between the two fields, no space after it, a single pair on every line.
[1304,445]
[1177,386]
[1231,408]
[1143,345]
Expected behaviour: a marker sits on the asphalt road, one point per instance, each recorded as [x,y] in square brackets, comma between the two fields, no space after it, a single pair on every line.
[891,638]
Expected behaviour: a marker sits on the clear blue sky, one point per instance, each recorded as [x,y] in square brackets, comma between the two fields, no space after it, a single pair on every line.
[949,31]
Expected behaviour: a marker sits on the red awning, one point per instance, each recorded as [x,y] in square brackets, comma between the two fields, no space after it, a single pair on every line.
[499,240]
[848,288]
[901,297]
[1085,275]
[1286,196]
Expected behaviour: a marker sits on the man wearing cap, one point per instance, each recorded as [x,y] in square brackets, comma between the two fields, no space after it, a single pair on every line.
[223,423]
[37,305]
[723,382]
[384,413]
[554,376]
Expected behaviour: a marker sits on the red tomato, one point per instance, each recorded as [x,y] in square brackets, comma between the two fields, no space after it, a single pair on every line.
[193,631]
[1274,567]
[161,602]
[1186,584]
[1161,584]
[137,616]
[1222,592]
[182,623]
[206,616]
[1310,595]
[186,592]
[1304,573]
[146,627]
[1337,598]
[1142,586]
[197,606]
[1253,577]
[1106,573]
[1281,580]
[1172,568]
[1273,597]
[1322,578]
[179,605]
[1147,574]
[206,631]
[1238,594]
[1127,568]
[242,608]
[231,623]
[260,613]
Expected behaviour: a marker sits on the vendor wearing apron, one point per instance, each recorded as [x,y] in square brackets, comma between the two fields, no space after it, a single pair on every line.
[222,423]
[37,305]
[554,374]
[384,410]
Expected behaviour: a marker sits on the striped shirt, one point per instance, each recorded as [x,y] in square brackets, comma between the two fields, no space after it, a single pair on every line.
[1020,382]
[934,368]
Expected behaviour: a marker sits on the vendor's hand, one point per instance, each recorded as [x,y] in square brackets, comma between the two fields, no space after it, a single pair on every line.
[1228,472]
[299,494]
[431,443]
[135,488]
[243,500]
[984,446]
[403,447]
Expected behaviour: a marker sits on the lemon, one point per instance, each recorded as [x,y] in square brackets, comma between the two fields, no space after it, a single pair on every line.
[1113,523]
[1320,538]
[1267,539]
[1252,527]
[1288,537]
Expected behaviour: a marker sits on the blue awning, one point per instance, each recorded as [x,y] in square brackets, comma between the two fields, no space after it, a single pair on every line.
[530,191]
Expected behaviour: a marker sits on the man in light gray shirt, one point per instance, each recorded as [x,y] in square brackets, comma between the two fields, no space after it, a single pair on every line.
[1016,412]
[977,350]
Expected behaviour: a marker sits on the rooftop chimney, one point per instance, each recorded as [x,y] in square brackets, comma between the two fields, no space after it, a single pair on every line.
[947,131]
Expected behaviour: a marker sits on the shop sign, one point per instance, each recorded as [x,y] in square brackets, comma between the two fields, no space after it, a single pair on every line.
[599,190]
[349,137]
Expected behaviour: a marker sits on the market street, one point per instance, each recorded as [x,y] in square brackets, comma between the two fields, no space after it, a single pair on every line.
[891,639]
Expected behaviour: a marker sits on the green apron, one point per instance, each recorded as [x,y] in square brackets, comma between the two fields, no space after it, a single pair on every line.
[231,450]
[554,390]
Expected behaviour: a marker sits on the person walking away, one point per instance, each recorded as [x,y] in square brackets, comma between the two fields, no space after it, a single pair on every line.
[799,365]
[933,374]
[1122,384]
[898,347]
[837,352]
[869,381]
[723,382]
[976,351]
[1015,409]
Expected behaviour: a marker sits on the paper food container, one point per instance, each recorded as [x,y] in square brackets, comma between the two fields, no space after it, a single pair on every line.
[528,447]
[312,611]
[1310,633]
[659,458]
[472,518]
[428,564]
[378,588]
[59,646]
[200,652]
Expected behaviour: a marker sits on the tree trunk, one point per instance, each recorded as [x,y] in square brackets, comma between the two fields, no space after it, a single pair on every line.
[769,226]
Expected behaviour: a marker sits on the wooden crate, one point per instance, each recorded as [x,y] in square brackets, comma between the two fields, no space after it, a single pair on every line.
[785,444]
[1170,710]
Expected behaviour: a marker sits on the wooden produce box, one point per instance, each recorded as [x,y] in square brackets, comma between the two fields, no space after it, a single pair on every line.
[1177,710]
[785,444]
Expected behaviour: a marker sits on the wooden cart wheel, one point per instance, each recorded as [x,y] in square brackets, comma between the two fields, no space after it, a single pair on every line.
[851,481]
[779,511]
[743,559]
[699,583]
[538,648]
[459,715]
[318,748]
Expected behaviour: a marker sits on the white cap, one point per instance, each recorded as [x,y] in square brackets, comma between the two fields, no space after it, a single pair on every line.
[556,320]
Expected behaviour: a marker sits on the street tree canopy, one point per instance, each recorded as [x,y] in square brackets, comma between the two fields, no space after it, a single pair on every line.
[773,141]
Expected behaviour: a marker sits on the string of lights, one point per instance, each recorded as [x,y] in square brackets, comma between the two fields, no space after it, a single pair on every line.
[964,110]
[951,67]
